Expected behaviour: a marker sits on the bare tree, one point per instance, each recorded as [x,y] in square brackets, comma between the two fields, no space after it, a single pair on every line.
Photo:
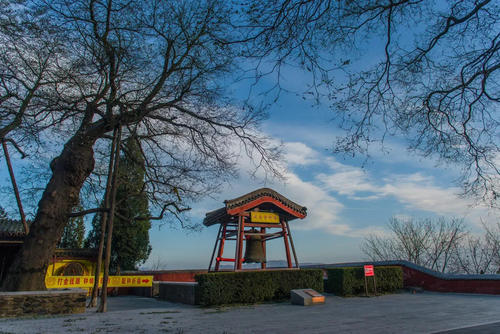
[158,65]
[426,71]
[479,254]
[29,55]
[474,256]
[446,235]
[154,66]
[493,240]
[158,264]
[424,242]
[34,70]
[440,89]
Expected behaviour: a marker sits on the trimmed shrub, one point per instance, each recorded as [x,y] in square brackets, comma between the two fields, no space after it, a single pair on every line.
[350,281]
[255,286]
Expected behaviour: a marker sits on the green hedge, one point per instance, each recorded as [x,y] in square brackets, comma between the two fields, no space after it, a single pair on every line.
[350,281]
[255,286]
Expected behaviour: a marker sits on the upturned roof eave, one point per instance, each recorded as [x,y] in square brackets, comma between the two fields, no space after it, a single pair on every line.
[253,199]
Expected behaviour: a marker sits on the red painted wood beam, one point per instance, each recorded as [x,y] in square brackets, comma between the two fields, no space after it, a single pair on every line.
[221,247]
[287,248]
[262,200]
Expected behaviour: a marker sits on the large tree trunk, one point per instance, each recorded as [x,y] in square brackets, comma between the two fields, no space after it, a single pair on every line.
[69,172]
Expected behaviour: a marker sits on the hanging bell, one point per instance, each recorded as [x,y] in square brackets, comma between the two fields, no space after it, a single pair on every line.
[254,250]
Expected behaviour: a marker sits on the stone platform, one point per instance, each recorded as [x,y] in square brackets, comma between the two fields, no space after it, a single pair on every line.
[34,303]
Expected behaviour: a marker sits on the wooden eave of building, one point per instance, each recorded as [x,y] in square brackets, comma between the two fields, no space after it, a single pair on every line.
[265,198]
[11,232]
[76,253]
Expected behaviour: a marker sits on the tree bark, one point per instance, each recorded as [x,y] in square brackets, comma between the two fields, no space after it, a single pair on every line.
[69,172]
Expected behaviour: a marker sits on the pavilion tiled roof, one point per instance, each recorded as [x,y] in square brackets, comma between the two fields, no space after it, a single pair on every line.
[215,216]
[239,201]
[218,215]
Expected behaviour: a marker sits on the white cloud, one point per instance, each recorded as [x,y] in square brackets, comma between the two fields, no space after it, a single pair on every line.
[296,153]
[348,182]
[316,136]
[322,209]
[413,190]
[323,194]
[420,192]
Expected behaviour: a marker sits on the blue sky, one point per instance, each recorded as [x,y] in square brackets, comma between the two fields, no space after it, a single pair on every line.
[347,198]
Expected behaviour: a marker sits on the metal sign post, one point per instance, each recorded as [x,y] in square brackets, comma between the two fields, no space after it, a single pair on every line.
[370,272]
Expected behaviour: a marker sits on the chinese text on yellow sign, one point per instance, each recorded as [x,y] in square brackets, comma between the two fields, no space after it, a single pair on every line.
[264,217]
[58,282]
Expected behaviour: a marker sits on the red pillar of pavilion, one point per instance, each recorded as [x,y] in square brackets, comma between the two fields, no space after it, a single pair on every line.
[263,210]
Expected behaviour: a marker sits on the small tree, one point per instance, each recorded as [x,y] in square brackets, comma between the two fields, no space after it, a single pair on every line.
[74,233]
[131,233]
[130,243]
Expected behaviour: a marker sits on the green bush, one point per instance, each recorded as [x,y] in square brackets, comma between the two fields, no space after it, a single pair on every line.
[255,286]
[350,281]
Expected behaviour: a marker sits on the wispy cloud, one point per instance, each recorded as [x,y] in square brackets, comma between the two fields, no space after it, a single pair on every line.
[416,191]
[299,154]
[346,180]
[327,193]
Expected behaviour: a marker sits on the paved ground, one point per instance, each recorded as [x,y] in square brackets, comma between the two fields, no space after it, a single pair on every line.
[481,329]
[400,313]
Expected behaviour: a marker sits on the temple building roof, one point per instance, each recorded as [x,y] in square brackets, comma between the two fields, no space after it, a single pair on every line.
[73,253]
[265,199]
[11,230]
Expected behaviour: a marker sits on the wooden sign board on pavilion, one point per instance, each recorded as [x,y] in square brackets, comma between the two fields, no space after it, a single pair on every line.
[248,219]
[264,217]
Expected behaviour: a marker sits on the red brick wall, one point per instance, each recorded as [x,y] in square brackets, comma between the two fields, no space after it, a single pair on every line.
[177,275]
[171,275]
[159,275]
[412,277]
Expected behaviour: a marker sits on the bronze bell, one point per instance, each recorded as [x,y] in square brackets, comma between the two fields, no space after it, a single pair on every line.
[254,250]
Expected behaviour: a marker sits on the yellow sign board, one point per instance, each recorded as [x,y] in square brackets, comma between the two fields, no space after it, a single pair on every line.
[264,217]
[59,282]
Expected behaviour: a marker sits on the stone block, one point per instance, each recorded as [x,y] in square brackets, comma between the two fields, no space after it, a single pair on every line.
[306,297]
[179,292]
